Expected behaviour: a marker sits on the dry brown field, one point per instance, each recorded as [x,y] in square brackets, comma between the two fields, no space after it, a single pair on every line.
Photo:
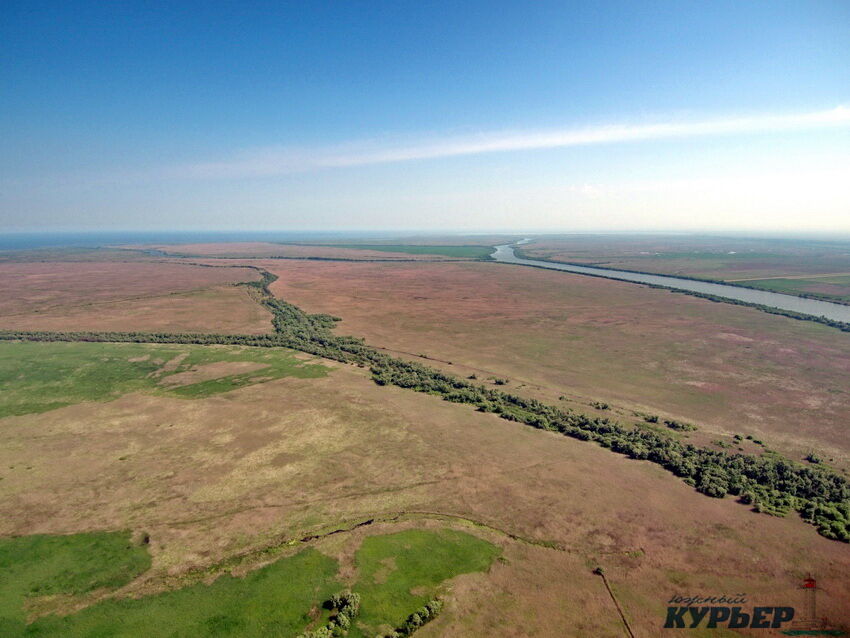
[213,478]
[729,369]
[224,309]
[45,286]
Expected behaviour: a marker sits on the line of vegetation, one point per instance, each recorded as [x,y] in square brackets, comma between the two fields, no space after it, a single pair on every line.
[417,619]
[679,426]
[833,323]
[770,483]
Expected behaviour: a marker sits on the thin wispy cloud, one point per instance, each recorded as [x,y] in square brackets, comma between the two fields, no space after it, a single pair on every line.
[284,160]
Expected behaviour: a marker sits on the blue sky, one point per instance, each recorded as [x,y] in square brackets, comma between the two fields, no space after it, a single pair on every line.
[425,115]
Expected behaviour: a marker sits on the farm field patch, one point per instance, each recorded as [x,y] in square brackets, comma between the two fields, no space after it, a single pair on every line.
[391,567]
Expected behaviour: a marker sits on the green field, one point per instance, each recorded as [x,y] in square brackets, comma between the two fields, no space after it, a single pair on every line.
[275,600]
[37,377]
[473,252]
[272,601]
[393,566]
[40,565]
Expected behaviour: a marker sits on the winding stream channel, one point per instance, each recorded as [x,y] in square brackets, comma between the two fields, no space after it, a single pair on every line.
[837,312]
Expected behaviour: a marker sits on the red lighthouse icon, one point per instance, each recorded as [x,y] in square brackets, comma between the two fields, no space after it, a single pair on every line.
[810,610]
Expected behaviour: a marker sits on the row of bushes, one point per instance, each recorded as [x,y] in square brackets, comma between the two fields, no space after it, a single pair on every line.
[679,426]
[775,483]
[414,621]
[770,483]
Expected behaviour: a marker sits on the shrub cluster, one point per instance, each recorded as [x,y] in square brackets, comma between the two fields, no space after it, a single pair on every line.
[679,426]
[415,620]
[344,609]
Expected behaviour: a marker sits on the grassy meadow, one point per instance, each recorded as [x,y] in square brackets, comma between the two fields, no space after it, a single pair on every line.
[392,567]
[73,565]
[279,599]
[37,377]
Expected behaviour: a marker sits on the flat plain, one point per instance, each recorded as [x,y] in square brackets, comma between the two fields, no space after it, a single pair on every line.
[220,473]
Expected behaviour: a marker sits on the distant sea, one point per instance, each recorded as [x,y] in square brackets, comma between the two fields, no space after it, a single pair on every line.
[20,241]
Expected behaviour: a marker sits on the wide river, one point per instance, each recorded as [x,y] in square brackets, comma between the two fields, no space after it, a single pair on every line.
[837,312]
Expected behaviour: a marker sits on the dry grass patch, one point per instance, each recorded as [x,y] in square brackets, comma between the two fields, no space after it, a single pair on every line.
[729,369]
[221,309]
[40,287]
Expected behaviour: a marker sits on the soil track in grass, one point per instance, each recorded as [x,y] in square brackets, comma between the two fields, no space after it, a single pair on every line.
[729,369]
[234,473]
